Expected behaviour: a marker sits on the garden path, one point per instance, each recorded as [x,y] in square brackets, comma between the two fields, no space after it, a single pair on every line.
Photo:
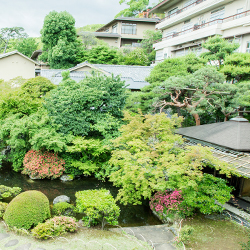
[159,236]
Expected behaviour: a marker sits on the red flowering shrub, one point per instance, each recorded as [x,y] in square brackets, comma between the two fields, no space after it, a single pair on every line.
[38,164]
[167,205]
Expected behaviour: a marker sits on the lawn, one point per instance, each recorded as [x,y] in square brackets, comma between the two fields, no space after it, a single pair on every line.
[215,234]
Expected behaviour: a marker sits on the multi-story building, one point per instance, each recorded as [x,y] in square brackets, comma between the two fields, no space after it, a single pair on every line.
[188,23]
[125,31]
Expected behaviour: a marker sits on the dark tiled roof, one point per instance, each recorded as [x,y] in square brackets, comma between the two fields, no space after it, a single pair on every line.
[232,134]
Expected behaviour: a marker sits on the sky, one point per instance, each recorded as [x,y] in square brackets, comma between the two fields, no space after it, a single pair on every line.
[30,14]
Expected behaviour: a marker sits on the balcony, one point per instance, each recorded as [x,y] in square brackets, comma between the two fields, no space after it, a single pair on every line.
[215,27]
[193,10]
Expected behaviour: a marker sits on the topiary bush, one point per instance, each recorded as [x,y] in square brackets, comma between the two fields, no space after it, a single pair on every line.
[54,227]
[63,208]
[97,206]
[38,164]
[27,210]
[3,207]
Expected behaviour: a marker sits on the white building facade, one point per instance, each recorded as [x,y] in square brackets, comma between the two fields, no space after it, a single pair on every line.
[187,24]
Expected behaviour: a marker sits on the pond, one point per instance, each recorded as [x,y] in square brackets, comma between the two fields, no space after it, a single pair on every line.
[139,215]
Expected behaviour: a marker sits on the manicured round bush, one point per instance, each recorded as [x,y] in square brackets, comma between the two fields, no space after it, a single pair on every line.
[3,207]
[55,227]
[38,164]
[27,210]
[63,208]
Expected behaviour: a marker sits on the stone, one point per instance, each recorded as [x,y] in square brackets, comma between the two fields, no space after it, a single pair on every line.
[40,248]
[3,236]
[61,198]
[34,178]
[24,247]
[66,177]
[11,243]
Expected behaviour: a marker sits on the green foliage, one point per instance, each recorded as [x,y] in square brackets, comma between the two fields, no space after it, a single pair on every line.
[63,208]
[94,155]
[218,48]
[90,28]
[101,54]
[3,207]
[246,246]
[22,133]
[150,37]
[136,57]
[25,99]
[56,226]
[135,7]
[185,234]
[195,92]
[6,192]
[149,159]
[6,34]
[42,165]
[90,107]
[97,206]
[27,210]
[26,46]
[236,67]
[177,66]
[60,40]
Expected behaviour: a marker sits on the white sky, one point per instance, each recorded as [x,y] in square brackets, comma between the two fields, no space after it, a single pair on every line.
[30,14]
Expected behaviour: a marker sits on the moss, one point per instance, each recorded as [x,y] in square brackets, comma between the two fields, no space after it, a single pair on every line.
[27,210]
[63,208]
[3,207]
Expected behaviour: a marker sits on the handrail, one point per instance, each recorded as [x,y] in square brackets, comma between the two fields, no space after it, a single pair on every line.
[181,10]
[196,27]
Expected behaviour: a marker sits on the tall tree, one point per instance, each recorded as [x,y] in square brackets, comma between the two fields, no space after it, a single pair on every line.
[26,46]
[60,44]
[192,92]
[10,33]
[135,7]
[218,48]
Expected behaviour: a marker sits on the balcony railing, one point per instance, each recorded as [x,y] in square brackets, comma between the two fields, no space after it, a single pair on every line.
[183,9]
[196,27]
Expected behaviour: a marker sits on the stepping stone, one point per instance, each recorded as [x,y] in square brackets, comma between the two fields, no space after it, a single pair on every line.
[40,248]
[3,236]
[24,247]
[11,243]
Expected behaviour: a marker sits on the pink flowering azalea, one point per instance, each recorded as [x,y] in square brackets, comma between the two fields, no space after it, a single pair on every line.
[42,164]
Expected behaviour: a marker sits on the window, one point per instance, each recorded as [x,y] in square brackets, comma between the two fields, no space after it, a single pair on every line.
[217,14]
[238,12]
[159,55]
[173,11]
[129,28]
[248,47]
[106,30]
[114,28]
[188,3]
[169,34]
[187,27]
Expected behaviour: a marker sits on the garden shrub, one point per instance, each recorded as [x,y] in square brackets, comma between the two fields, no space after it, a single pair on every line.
[6,192]
[167,205]
[97,206]
[42,165]
[54,227]
[27,210]
[63,208]
[3,207]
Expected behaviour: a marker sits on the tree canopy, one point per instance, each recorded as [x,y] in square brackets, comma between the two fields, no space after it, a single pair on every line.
[6,34]
[135,7]
[148,158]
[91,107]
[60,44]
